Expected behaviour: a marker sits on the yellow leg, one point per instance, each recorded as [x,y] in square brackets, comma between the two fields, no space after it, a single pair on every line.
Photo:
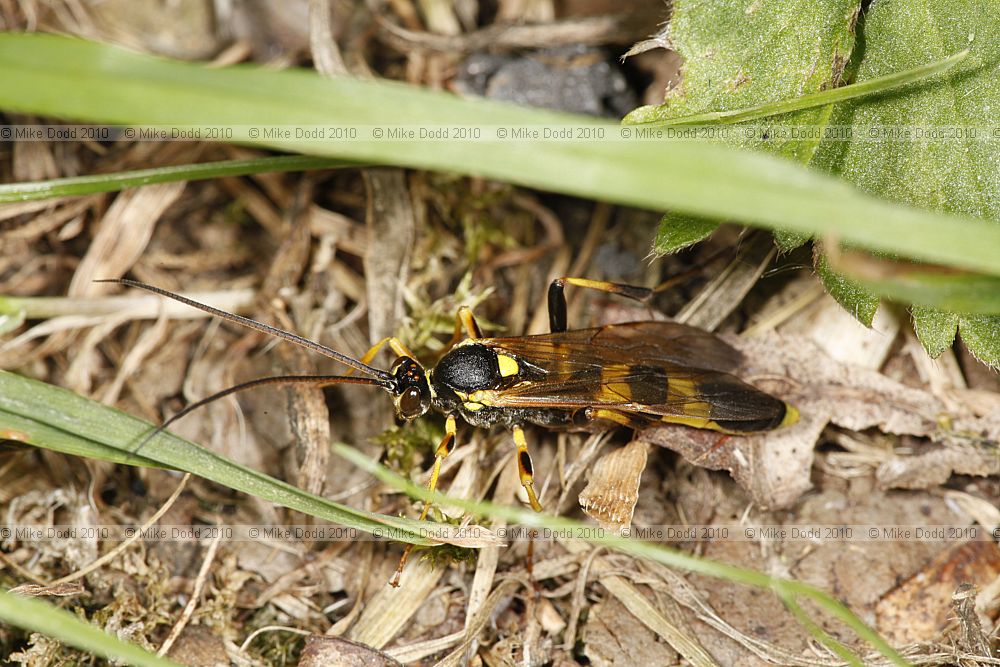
[442,452]
[631,291]
[557,296]
[465,327]
[467,321]
[393,342]
[524,468]
[445,448]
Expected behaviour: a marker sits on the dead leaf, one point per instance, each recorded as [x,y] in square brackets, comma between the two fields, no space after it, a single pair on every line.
[775,467]
[322,651]
[918,609]
[613,486]
[933,468]
[123,234]
[612,636]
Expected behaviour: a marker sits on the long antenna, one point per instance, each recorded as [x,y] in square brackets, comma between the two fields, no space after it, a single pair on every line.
[318,380]
[258,326]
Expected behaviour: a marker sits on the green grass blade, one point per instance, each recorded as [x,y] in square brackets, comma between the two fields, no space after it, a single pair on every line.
[669,557]
[882,84]
[67,628]
[85,185]
[69,78]
[57,419]
[815,630]
[922,285]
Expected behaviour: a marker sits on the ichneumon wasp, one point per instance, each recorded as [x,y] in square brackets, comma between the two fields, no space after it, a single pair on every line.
[634,374]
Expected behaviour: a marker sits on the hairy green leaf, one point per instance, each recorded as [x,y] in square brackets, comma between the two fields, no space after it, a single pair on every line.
[739,57]
[958,171]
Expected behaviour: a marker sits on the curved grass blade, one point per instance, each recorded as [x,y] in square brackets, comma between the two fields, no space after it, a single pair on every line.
[921,284]
[882,84]
[836,647]
[784,588]
[85,185]
[102,83]
[67,628]
[57,419]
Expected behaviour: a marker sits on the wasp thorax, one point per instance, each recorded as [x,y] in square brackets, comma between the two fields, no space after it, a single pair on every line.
[411,393]
[468,368]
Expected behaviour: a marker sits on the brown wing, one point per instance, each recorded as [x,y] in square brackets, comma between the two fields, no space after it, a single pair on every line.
[638,368]
[651,343]
[655,391]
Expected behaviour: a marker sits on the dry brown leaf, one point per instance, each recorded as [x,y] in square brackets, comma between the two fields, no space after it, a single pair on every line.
[854,397]
[16,209]
[487,559]
[933,468]
[307,410]
[33,160]
[841,336]
[857,572]
[59,214]
[613,486]
[521,33]
[123,234]
[919,608]
[390,219]
[611,636]
[726,290]
[389,609]
[268,561]
[775,467]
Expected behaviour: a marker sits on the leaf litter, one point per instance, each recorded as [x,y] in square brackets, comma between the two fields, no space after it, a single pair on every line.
[873,446]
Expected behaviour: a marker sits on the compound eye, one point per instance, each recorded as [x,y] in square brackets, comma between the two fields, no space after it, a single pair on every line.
[410,404]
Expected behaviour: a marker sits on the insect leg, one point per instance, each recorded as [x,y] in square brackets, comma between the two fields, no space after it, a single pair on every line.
[465,327]
[557,296]
[466,320]
[525,469]
[442,452]
[445,448]
[394,343]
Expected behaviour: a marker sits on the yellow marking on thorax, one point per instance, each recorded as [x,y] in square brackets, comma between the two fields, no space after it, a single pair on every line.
[483,396]
[473,407]
[508,365]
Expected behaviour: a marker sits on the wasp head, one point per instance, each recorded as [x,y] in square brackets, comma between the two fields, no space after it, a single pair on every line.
[411,394]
